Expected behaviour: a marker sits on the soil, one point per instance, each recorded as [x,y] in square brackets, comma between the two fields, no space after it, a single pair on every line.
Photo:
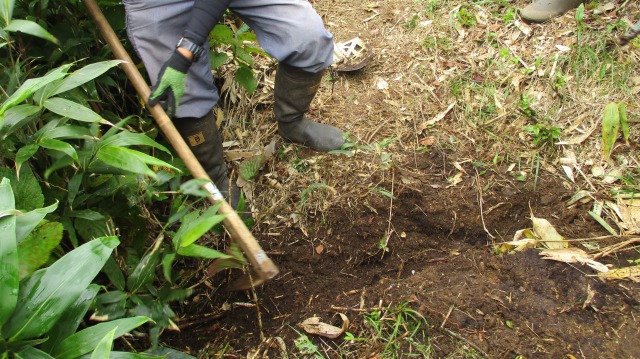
[440,261]
[438,237]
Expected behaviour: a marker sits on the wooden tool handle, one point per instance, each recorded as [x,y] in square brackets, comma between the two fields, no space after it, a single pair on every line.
[261,263]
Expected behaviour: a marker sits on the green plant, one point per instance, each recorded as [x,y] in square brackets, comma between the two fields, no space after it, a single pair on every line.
[41,310]
[465,17]
[412,23]
[398,333]
[543,133]
[613,122]
[238,44]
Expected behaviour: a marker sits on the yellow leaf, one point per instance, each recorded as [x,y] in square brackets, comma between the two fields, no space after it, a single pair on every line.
[550,237]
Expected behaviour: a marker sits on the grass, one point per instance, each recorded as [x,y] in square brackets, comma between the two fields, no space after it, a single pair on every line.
[400,332]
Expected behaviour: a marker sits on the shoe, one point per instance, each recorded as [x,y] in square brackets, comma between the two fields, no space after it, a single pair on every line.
[203,138]
[543,10]
[294,91]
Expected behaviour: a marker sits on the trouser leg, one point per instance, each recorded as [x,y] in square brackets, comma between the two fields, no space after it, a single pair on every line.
[154,28]
[293,33]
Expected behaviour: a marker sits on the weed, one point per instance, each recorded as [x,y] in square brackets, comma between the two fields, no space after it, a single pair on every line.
[543,133]
[399,333]
[411,24]
[466,18]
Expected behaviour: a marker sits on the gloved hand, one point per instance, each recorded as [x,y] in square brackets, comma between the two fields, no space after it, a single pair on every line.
[171,83]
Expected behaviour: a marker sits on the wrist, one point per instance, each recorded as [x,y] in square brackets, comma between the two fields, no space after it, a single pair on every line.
[189,49]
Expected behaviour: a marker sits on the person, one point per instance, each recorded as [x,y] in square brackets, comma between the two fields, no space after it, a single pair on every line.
[543,10]
[171,38]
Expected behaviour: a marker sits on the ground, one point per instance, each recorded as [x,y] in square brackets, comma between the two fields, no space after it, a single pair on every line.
[412,222]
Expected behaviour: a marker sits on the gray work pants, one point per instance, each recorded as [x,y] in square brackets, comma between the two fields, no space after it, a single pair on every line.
[289,30]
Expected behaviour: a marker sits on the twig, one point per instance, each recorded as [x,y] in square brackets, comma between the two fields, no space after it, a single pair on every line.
[480,200]
[386,242]
[616,247]
[255,299]
[446,317]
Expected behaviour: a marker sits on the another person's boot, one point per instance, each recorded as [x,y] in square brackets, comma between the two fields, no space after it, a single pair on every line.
[294,91]
[203,138]
[543,10]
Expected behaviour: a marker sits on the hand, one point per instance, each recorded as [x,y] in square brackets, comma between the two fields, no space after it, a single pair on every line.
[171,82]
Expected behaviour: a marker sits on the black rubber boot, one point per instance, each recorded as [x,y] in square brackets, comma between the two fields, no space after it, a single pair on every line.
[543,10]
[203,137]
[294,91]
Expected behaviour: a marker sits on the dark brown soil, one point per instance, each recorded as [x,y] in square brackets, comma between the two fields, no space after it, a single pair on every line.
[441,261]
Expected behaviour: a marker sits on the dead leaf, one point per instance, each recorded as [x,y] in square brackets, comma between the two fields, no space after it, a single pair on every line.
[453,181]
[632,273]
[428,141]
[314,326]
[319,249]
[547,233]
[573,255]
[438,117]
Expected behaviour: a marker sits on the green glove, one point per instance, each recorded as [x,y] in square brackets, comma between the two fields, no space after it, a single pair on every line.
[171,83]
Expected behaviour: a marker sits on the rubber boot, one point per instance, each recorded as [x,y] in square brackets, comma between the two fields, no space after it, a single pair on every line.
[203,138]
[294,91]
[543,10]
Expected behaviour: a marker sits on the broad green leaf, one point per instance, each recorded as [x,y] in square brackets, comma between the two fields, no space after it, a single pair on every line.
[27,222]
[57,145]
[580,13]
[610,128]
[198,251]
[87,339]
[89,230]
[15,115]
[74,186]
[31,85]
[113,271]
[624,124]
[27,193]
[49,292]
[31,28]
[245,78]
[6,11]
[119,158]
[71,319]
[85,75]
[144,272]
[217,59]
[24,154]
[33,353]
[222,33]
[167,266]
[88,214]
[193,187]
[126,138]
[67,132]
[130,160]
[34,251]
[8,254]
[73,110]
[192,229]
[103,349]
